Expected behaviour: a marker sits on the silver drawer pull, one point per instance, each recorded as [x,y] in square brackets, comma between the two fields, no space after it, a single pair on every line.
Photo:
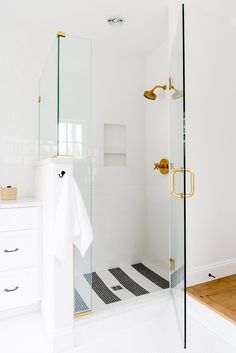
[7,251]
[11,290]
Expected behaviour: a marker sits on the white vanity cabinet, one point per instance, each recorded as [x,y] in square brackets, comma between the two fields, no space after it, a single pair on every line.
[20,249]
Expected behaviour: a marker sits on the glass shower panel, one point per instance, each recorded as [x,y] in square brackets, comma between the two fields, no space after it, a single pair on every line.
[74,131]
[47,127]
[177,158]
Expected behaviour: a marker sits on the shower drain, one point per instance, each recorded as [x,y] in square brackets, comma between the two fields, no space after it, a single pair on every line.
[116,287]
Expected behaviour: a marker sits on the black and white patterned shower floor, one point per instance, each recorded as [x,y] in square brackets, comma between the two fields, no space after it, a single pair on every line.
[117,284]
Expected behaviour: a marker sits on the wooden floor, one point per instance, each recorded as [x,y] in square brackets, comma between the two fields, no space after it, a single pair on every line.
[219,295]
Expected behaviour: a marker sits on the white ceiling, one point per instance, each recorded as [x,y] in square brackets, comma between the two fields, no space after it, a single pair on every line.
[144,29]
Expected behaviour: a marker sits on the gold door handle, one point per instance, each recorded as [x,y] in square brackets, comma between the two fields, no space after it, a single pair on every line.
[172,183]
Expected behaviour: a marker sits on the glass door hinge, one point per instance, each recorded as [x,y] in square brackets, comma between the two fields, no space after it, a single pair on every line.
[61,34]
[172,265]
[40,98]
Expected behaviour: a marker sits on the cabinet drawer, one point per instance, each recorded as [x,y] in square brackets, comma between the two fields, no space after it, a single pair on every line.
[19,218]
[18,288]
[18,249]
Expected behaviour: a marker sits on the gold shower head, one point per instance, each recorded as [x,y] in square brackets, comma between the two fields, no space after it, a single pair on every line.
[151,95]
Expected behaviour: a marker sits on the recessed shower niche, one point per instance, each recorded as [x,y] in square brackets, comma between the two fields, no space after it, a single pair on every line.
[115,152]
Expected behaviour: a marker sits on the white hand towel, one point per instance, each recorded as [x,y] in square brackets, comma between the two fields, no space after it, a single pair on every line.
[72,224]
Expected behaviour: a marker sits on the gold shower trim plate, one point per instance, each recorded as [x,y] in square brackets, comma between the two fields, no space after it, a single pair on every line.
[163,166]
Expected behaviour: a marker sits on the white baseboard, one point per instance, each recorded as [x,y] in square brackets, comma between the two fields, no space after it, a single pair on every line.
[20,311]
[220,269]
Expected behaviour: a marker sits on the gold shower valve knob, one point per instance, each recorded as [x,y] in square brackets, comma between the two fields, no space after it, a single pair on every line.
[163,166]
[156,166]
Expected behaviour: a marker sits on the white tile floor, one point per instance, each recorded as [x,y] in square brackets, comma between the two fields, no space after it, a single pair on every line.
[146,328]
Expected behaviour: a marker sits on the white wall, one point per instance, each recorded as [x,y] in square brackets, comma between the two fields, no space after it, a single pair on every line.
[211,144]
[131,204]
[157,147]
[118,192]
[23,50]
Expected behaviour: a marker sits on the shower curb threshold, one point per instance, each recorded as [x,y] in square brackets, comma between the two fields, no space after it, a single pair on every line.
[119,317]
[123,307]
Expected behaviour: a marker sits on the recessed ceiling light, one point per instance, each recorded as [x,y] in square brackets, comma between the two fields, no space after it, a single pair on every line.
[115,20]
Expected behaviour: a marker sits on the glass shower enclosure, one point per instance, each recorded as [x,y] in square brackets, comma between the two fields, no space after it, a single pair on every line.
[65,130]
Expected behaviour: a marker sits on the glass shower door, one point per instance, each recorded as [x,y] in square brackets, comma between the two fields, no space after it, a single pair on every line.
[178,177]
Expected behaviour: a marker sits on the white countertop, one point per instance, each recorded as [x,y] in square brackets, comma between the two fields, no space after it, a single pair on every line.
[24,202]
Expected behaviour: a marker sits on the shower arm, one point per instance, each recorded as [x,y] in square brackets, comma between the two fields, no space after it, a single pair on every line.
[159,86]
